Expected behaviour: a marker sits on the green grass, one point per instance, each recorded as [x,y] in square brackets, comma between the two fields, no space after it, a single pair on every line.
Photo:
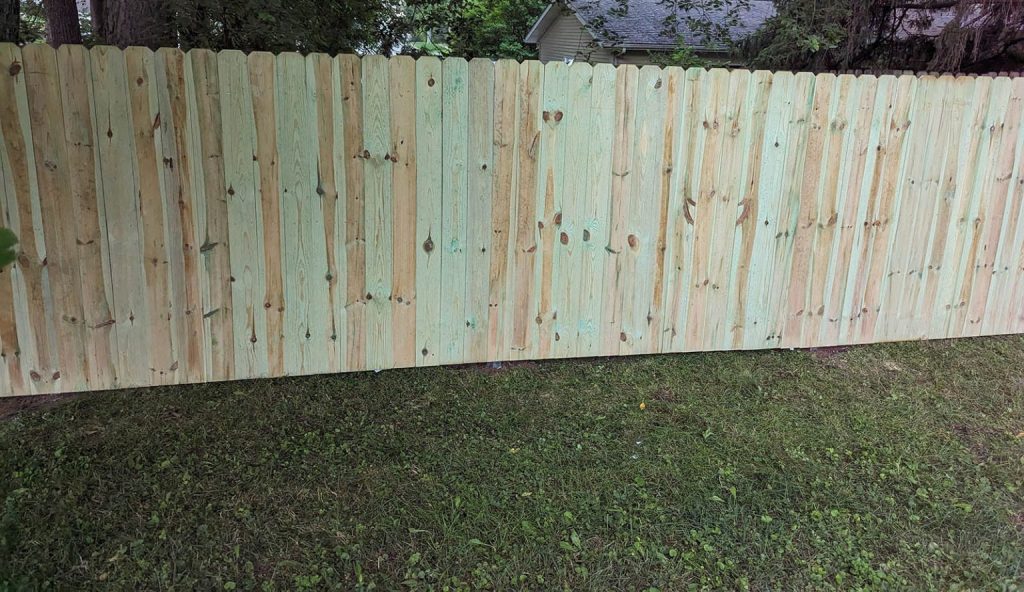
[892,466]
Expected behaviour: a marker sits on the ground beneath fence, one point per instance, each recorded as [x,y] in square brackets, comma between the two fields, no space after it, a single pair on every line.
[898,466]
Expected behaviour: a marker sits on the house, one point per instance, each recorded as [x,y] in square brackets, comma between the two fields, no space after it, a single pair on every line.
[601,31]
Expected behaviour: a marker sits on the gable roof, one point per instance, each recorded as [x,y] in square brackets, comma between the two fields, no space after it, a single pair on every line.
[642,24]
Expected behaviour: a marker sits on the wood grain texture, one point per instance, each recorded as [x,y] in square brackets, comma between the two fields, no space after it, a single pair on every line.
[212,216]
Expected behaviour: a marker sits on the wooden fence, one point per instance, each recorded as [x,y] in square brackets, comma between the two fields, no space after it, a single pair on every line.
[211,216]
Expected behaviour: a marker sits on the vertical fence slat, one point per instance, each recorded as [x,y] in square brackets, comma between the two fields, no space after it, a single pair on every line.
[403,181]
[569,220]
[503,208]
[34,349]
[531,92]
[211,212]
[62,284]
[991,213]
[480,167]
[262,77]
[613,333]
[1009,247]
[149,158]
[748,215]
[549,202]
[180,207]
[120,212]
[325,85]
[378,210]
[245,220]
[893,148]
[454,206]
[594,209]
[679,232]
[429,145]
[642,215]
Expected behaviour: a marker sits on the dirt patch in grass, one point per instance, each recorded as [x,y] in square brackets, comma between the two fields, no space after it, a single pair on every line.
[12,405]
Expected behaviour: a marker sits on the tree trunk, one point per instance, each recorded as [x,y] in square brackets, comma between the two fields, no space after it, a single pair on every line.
[10,20]
[62,22]
[132,22]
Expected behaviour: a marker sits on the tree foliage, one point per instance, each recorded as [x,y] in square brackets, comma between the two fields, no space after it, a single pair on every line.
[943,35]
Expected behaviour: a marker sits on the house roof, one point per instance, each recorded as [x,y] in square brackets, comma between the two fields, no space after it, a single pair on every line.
[642,24]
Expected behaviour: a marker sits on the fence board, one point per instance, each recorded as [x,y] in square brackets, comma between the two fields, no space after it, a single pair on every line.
[232,216]
[429,158]
[480,171]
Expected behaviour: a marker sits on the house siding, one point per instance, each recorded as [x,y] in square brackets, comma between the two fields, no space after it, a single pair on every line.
[567,39]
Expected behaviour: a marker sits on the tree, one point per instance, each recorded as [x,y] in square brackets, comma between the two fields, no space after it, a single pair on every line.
[10,20]
[133,22]
[944,35]
[62,22]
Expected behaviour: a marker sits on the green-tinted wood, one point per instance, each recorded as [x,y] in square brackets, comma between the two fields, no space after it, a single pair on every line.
[529,120]
[350,68]
[182,236]
[551,158]
[679,232]
[993,205]
[759,318]
[503,209]
[593,208]
[325,83]
[35,347]
[149,167]
[429,191]
[612,330]
[642,214]
[378,211]
[64,298]
[1003,267]
[245,223]
[121,215]
[403,181]
[570,219]
[747,214]
[454,209]
[304,258]
[211,211]
[480,185]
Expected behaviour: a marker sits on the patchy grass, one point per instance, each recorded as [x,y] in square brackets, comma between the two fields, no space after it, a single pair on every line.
[888,466]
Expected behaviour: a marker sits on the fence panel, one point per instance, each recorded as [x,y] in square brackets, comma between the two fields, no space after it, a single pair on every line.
[202,216]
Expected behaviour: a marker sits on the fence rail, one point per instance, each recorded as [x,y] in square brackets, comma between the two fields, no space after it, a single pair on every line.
[211,216]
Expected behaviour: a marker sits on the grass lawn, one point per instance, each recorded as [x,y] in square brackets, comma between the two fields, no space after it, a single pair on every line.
[891,466]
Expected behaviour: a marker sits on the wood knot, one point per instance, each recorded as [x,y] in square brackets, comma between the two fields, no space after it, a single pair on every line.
[231,190]
[15,68]
[558,219]
[369,296]
[540,225]
[558,116]
[658,83]
[424,351]
[366,154]
[430,82]
[139,81]
[564,238]
[622,336]
[428,245]
[547,116]
[586,235]
[633,241]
